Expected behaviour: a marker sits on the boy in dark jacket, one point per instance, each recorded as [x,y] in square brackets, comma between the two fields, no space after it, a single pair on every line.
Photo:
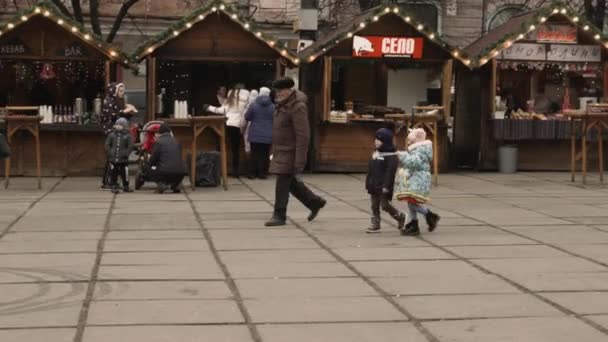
[119,145]
[381,179]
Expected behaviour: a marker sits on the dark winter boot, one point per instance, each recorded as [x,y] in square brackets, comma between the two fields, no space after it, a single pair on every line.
[314,212]
[374,227]
[432,219]
[411,229]
[126,188]
[400,221]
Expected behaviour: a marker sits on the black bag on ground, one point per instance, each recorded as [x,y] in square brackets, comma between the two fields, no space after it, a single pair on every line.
[5,150]
[208,169]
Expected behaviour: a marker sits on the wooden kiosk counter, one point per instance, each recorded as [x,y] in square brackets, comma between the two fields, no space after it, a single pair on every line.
[50,64]
[373,69]
[212,47]
[540,67]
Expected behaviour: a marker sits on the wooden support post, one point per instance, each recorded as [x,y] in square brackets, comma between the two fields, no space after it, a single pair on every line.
[326,91]
[446,87]
[600,143]
[107,70]
[572,149]
[151,87]
[584,151]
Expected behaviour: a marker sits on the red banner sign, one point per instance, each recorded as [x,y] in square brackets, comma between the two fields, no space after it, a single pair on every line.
[555,33]
[387,47]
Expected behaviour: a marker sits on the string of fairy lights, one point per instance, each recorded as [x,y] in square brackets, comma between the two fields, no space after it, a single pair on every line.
[533,25]
[199,15]
[47,10]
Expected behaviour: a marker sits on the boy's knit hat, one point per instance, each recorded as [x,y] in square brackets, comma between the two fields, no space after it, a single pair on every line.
[264,91]
[122,122]
[385,135]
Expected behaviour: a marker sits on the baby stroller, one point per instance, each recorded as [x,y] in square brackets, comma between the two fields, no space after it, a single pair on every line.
[147,140]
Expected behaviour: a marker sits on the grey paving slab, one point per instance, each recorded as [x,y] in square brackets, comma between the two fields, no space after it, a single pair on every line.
[358,239]
[251,206]
[477,306]
[232,333]
[194,271]
[545,265]
[595,252]
[57,314]
[201,258]
[563,281]
[414,268]
[40,246]
[445,284]
[289,270]
[584,303]
[245,243]
[47,260]
[164,312]
[52,236]
[232,223]
[507,252]
[156,245]
[71,222]
[257,257]
[341,332]
[304,288]
[154,234]
[475,236]
[162,290]
[563,234]
[37,335]
[44,274]
[600,319]
[153,222]
[398,253]
[529,329]
[344,309]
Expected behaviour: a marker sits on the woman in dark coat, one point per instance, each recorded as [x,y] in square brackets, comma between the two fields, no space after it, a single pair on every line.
[113,107]
[259,114]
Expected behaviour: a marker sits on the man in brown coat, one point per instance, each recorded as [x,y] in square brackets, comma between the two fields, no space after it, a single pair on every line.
[290,139]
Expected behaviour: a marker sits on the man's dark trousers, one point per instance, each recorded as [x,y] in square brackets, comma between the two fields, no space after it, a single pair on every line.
[290,184]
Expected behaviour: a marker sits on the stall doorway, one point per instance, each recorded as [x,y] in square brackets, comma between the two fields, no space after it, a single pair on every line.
[197,82]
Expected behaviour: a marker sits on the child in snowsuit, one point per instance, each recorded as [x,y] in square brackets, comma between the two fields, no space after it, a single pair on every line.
[381,179]
[414,187]
[119,145]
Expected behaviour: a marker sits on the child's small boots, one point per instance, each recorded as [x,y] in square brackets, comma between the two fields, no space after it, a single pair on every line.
[432,219]
[411,229]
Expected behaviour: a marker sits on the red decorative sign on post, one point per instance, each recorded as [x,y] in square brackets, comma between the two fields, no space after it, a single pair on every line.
[556,33]
[387,47]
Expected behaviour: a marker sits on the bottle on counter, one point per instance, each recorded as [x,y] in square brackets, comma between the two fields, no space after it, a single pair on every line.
[160,102]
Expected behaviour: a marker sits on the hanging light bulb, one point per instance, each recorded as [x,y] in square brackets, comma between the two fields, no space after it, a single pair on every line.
[362,25]
[555,11]
[420,27]
[234,16]
[521,36]
[23,18]
[432,36]
[189,25]
[575,19]
[376,18]
[564,11]
[222,7]
[311,58]
[258,34]
[213,9]
[408,19]
[396,10]
[247,25]
[284,52]
[543,19]
[271,43]
[150,49]
[532,27]
[112,53]
[508,44]
[483,61]
[60,21]
[586,28]
[350,34]
[597,37]
[10,26]
[37,10]
[386,10]
[87,36]
[296,61]
[47,13]
[455,53]
[175,33]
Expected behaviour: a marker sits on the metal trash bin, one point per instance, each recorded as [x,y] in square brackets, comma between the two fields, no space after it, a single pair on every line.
[507,159]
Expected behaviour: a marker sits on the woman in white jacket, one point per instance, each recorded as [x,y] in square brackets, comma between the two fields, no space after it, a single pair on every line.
[234,109]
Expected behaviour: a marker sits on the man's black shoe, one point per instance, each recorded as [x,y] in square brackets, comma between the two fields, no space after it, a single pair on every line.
[314,212]
[275,222]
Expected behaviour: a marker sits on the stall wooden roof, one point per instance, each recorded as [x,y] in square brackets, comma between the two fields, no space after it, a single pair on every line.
[360,22]
[46,9]
[516,28]
[199,15]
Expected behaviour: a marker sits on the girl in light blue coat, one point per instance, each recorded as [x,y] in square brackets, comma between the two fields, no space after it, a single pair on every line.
[413,181]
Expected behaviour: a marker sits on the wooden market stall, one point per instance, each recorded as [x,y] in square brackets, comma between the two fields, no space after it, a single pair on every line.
[50,63]
[537,67]
[367,72]
[211,47]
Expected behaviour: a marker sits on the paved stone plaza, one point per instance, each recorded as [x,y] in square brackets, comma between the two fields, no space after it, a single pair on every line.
[516,258]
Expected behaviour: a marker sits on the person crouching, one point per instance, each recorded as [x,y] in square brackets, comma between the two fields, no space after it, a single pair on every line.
[167,166]
[119,145]
[381,179]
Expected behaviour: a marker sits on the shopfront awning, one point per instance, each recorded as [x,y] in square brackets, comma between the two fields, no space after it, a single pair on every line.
[201,14]
[350,28]
[519,27]
[46,9]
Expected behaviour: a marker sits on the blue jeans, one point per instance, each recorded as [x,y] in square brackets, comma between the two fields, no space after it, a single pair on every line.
[414,209]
